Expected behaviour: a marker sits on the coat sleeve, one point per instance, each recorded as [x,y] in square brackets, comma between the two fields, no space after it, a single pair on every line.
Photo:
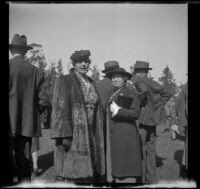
[133,112]
[61,118]
[43,98]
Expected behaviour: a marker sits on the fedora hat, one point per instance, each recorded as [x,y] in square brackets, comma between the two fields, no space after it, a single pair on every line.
[20,42]
[142,65]
[110,65]
[118,71]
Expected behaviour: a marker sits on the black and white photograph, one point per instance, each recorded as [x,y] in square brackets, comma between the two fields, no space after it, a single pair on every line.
[98,94]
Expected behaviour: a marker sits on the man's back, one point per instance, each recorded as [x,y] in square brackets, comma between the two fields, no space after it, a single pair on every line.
[153,112]
[25,95]
[104,86]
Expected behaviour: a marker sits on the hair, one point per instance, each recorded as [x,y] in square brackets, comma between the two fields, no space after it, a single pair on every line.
[87,60]
[18,50]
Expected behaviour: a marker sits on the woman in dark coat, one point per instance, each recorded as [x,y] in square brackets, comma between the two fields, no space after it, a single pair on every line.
[77,125]
[123,144]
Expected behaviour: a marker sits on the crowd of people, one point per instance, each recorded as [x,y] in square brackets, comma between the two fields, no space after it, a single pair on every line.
[104,132]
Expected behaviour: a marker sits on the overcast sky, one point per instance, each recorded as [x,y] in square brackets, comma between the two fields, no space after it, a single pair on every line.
[125,32]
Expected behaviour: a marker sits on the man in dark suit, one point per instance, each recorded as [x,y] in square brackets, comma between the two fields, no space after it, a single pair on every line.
[27,100]
[152,97]
[105,85]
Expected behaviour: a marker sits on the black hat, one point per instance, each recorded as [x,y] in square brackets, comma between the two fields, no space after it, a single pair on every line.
[110,65]
[119,71]
[80,55]
[20,41]
[142,65]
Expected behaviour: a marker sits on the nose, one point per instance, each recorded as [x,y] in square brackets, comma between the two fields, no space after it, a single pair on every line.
[83,63]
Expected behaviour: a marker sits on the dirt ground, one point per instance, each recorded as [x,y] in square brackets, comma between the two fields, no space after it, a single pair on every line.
[169,156]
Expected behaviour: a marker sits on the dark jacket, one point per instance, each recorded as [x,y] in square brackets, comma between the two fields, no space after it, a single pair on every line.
[69,120]
[27,97]
[123,144]
[104,86]
[153,97]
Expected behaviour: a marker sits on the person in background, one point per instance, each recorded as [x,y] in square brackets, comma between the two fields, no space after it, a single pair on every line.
[77,125]
[34,154]
[152,97]
[105,85]
[123,150]
[27,100]
[181,107]
[170,113]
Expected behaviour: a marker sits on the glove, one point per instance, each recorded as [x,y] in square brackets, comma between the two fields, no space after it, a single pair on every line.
[66,143]
[176,129]
[114,108]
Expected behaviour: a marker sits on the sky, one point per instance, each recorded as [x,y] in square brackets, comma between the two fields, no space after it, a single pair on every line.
[126,32]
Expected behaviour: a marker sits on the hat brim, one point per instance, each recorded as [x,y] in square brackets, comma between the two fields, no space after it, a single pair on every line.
[22,47]
[111,73]
[142,68]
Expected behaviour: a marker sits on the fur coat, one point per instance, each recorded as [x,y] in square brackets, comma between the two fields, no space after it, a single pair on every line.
[69,119]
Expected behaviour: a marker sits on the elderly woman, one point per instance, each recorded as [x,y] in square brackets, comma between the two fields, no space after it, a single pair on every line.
[77,125]
[123,142]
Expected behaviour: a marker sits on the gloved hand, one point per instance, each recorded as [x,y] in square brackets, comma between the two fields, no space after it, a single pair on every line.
[175,128]
[114,108]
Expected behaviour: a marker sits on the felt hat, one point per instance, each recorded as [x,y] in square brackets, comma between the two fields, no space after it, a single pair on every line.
[80,55]
[110,65]
[142,65]
[20,42]
[120,71]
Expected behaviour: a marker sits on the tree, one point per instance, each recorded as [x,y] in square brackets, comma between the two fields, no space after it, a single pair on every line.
[95,74]
[59,67]
[51,75]
[168,81]
[36,57]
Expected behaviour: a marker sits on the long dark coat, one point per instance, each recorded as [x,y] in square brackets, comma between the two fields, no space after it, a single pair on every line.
[123,144]
[152,97]
[104,86]
[27,97]
[68,113]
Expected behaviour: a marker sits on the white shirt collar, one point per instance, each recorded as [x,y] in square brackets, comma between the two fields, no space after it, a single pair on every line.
[16,55]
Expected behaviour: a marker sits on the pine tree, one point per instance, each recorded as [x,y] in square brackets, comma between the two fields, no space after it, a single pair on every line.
[51,75]
[60,67]
[168,81]
[36,57]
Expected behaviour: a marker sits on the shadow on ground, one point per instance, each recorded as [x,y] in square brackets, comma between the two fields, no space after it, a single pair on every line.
[45,161]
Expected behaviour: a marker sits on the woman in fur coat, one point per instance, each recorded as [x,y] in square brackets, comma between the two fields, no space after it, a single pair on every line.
[123,154]
[77,125]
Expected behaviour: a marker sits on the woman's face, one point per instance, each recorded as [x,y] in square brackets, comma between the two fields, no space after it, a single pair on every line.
[117,80]
[81,67]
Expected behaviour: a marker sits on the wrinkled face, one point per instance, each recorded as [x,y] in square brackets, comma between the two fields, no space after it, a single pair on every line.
[82,66]
[141,73]
[117,80]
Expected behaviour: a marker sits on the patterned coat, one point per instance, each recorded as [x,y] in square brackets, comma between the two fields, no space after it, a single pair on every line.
[69,119]
[27,97]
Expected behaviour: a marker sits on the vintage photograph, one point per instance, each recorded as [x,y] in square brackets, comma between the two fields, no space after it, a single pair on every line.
[98,93]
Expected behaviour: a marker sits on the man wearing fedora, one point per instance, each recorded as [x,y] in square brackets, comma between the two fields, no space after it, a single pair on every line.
[152,97]
[105,85]
[27,100]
